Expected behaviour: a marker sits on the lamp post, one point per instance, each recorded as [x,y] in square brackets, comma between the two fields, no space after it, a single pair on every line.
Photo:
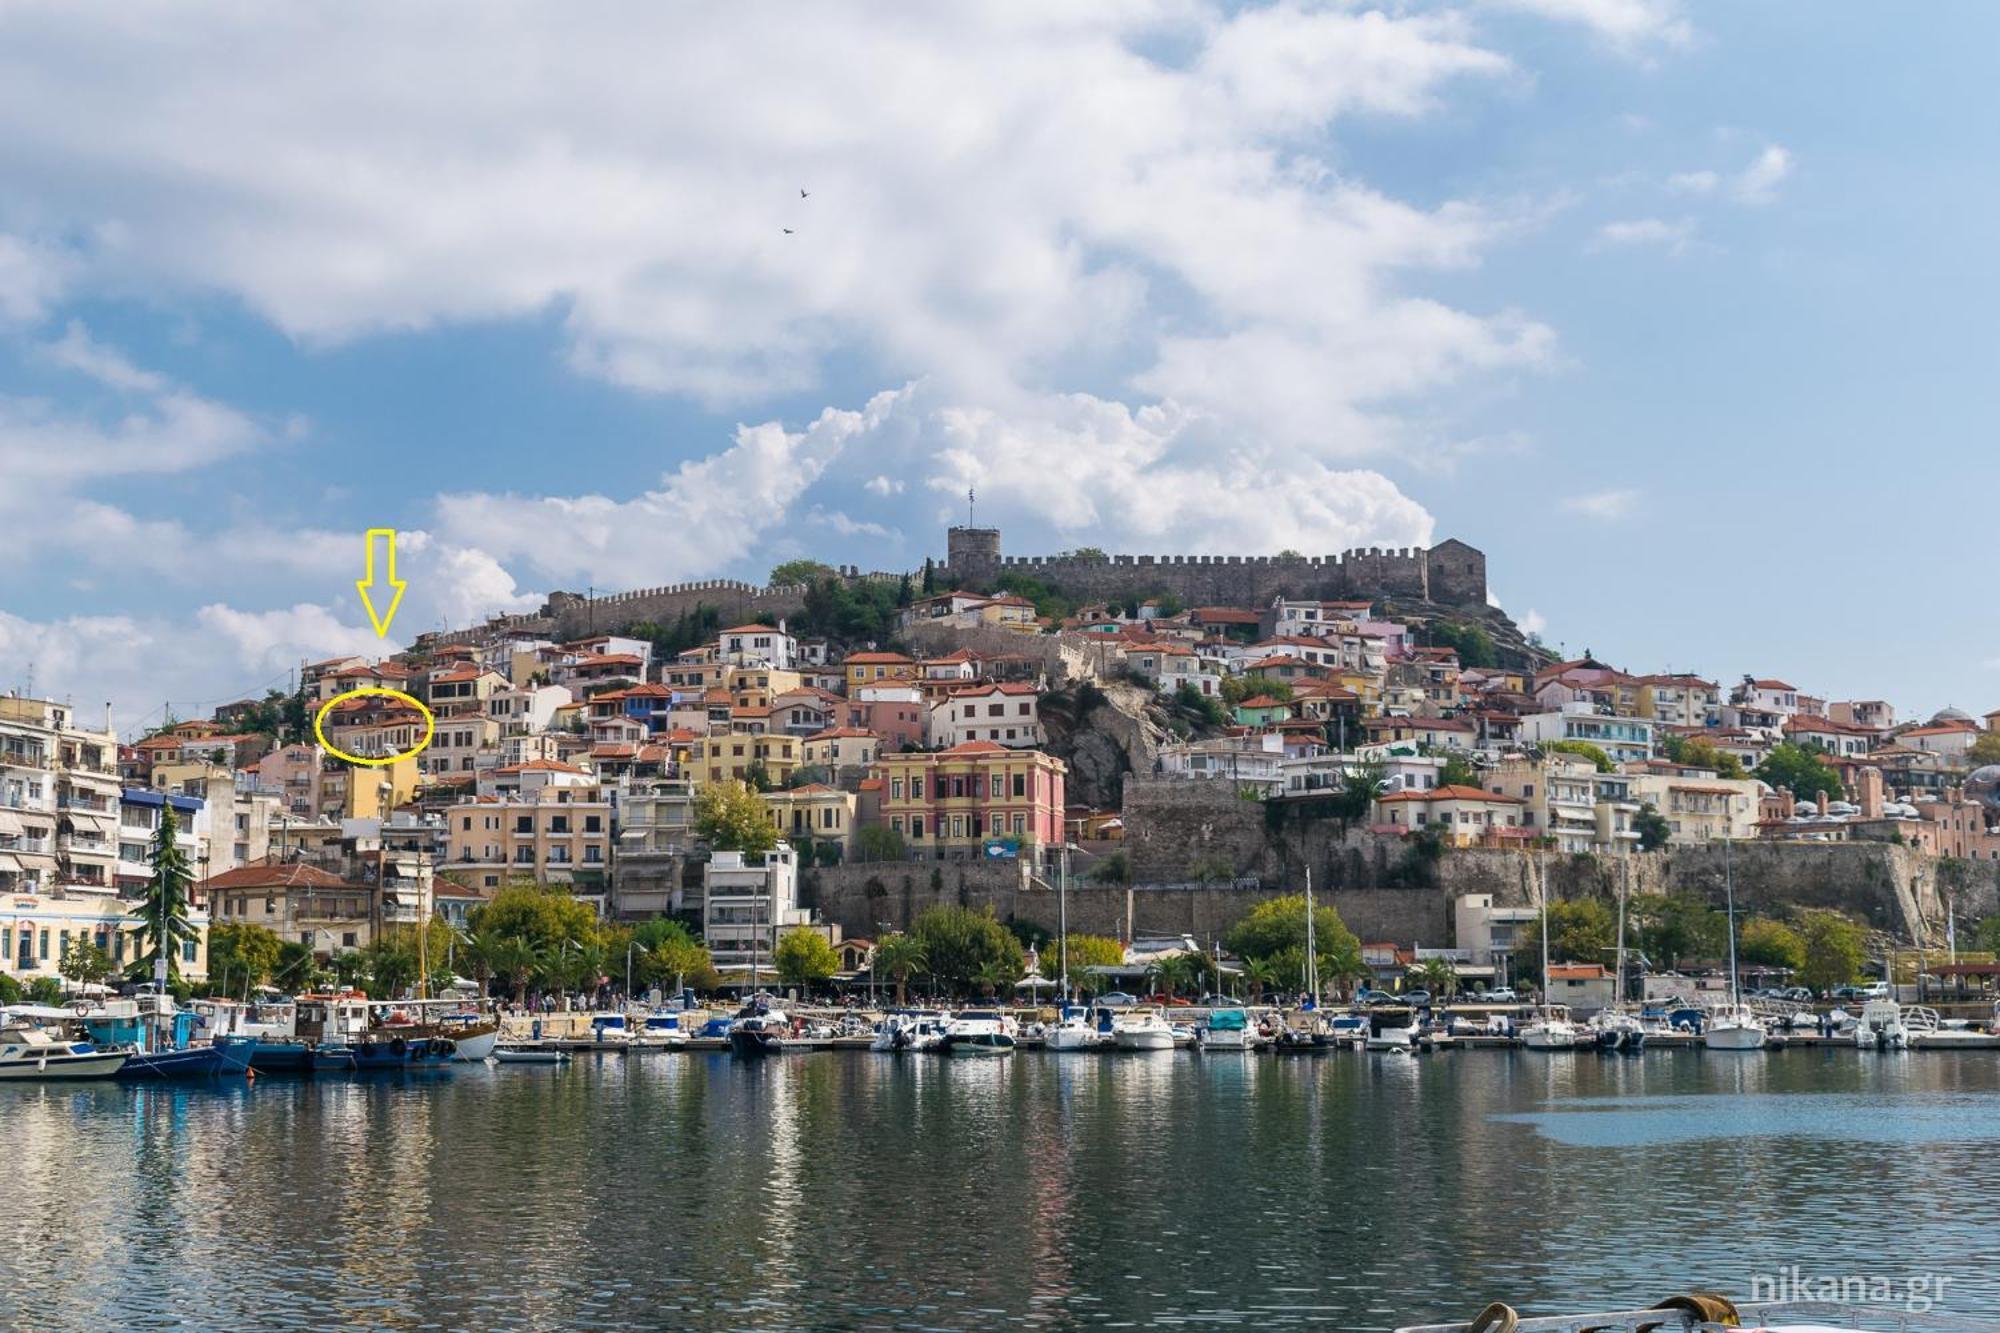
[629,947]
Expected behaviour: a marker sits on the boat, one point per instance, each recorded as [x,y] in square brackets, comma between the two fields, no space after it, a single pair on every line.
[1228,1030]
[912,1030]
[759,1031]
[1699,1312]
[1391,1041]
[979,1032]
[1143,1029]
[610,1030]
[1553,1030]
[397,1053]
[1072,1032]
[1735,1027]
[1616,1031]
[528,1055]
[28,1053]
[1881,1027]
[160,1037]
[474,1036]
[660,1027]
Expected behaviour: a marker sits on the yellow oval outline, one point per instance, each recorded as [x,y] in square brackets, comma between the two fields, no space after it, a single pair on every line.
[319,726]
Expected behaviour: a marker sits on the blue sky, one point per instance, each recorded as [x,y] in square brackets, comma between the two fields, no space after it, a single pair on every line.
[1677,311]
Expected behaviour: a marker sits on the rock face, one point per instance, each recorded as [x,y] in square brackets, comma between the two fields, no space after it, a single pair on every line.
[1102,733]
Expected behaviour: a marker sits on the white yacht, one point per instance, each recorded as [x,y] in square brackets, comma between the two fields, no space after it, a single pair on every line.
[1882,1027]
[980,1032]
[1734,1027]
[661,1027]
[910,1030]
[1553,1030]
[1143,1030]
[27,1051]
[1074,1031]
[1391,1041]
[1229,1030]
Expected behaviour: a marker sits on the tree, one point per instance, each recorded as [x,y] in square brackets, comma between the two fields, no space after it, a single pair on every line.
[1199,708]
[1187,971]
[1235,689]
[1275,930]
[958,942]
[1458,772]
[1671,927]
[672,955]
[1652,827]
[1586,750]
[1767,943]
[1698,752]
[297,968]
[729,818]
[899,957]
[879,842]
[389,964]
[1799,770]
[1087,951]
[930,577]
[542,916]
[1834,949]
[85,962]
[45,990]
[1472,643]
[241,955]
[803,957]
[1360,788]
[1437,975]
[1581,930]
[1985,750]
[164,928]
[801,571]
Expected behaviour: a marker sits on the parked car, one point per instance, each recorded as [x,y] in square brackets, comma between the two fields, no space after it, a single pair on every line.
[1499,995]
[1116,999]
[1367,996]
[1415,997]
[1874,990]
[1797,994]
[1845,993]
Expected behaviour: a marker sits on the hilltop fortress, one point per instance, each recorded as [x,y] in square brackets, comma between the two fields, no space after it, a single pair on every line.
[1450,574]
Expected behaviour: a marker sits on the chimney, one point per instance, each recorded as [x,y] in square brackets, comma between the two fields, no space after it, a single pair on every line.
[1788,804]
[1822,803]
[1871,793]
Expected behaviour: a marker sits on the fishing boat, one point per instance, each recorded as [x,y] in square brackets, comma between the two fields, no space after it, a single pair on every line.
[29,1053]
[979,1032]
[1143,1029]
[160,1038]
[1735,1027]
[1228,1030]
[528,1055]
[759,1031]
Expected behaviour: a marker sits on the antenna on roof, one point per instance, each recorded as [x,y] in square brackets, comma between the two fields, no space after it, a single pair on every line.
[968,508]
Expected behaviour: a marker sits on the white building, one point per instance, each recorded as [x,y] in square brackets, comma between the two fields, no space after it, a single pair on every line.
[1255,760]
[1005,713]
[1624,739]
[759,645]
[746,907]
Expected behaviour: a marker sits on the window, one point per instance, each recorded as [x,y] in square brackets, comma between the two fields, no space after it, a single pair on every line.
[306,938]
[347,939]
[1020,784]
[895,789]
[917,827]
[270,905]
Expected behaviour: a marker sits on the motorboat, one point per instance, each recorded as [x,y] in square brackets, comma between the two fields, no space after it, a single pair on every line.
[28,1052]
[913,1030]
[1552,1030]
[610,1030]
[1881,1027]
[661,1027]
[1228,1030]
[1619,1032]
[1142,1030]
[1734,1027]
[758,1032]
[979,1032]
[1391,1041]
[1073,1031]
[528,1055]
[160,1039]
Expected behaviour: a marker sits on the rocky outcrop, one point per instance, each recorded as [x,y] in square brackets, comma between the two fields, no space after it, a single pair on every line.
[1102,733]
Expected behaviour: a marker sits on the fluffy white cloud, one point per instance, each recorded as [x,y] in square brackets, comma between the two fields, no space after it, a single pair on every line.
[1694,182]
[1670,235]
[1758,183]
[1604,506]
[1629,25]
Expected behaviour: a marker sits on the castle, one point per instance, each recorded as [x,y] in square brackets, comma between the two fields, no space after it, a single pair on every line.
[1448,574]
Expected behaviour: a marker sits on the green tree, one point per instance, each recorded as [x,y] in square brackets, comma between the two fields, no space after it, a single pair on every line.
[1360,788]
[1473,644]
[1275,929]
[1652,827]
[1087,951]
[1985,750]
[1111,870]
[11,991]
[1834,949]
[1437,975]
[673,956]
[1800,770]
[1698,752]
[879,842]
[899,957]
[803,957]
[241,955]
[389,965]
[1199,708]
[1235,689]
[1767,943]
[1586,750]
[1186,973]
[930,577]
[801,571]
[729,817]
[958,942]
[45,990]
[297,969]
[1581,930]
[1673,927]
[1458,772]
[542,916]
[164,927]
[85,962]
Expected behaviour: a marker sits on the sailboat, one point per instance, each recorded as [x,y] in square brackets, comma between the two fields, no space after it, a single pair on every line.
[1617,1028]
[1552,1029]
[1735,1028]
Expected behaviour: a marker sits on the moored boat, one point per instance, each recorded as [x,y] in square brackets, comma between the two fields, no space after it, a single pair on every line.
[979,1032]
[528,1055]
[1734,1027]
[1142,1030]
[28,1052]
[759,1032]
[1228,1030]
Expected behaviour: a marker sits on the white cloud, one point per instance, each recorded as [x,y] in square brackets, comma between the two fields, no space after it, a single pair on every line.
[1604,506]
[1000,194]
[1758,183]
[1694,182]
[1672,236]
[1628,25]
[31,278]
[1532,621]
[78,351]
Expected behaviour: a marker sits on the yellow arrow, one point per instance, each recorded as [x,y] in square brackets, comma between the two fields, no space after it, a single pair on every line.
[366,586]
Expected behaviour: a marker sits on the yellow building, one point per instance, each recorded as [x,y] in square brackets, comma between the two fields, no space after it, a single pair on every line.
[823,813]
[349,791]
[556,835]
[875,668]
[731,755]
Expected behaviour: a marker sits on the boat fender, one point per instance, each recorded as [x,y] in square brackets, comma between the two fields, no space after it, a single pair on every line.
[1706,1306]
[398,1046]
[1495,1318]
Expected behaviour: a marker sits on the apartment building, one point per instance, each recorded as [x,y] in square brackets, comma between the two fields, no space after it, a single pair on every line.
[550,834]
[953,803]
[59,789]
[1006,713]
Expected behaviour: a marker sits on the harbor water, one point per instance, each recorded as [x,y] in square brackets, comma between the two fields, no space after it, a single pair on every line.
[848,1190]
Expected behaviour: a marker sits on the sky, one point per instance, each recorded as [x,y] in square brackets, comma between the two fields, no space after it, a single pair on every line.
[1679,312]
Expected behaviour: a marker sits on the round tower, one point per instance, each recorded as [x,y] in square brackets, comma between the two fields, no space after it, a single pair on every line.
[972,557]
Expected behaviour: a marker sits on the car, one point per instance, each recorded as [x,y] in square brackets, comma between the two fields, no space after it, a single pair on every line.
[1874,990]
[1845,993]
[1214,1001]
[1797,994]
[1414,997]
[1368,996]
[1116,999]
[1499,995]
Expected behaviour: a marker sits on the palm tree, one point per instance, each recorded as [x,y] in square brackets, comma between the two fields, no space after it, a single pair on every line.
[478,951]
[992,975]
[900,956]
[1262,974]
[513,961]
[1436,975]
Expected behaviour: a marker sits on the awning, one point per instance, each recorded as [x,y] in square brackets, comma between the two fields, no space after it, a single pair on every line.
[9,861]
[89,821]
[9,822]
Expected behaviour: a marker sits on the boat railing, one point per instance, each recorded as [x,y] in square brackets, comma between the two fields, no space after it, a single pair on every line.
[1819,1314]
[1921,1018]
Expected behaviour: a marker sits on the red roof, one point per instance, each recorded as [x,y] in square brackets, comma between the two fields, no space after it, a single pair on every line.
[289,875]
[976,747]
[756,629]
[1453,793]
[878,659]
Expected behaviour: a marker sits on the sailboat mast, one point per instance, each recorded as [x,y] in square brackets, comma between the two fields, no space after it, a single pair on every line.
[1729,897]
[1618,981]
[1542,890]
[1312,951]
[1062,920]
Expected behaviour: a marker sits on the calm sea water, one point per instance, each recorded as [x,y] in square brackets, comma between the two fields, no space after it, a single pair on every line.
[847,1190]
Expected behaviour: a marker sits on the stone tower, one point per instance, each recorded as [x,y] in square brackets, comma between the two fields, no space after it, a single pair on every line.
[972,556]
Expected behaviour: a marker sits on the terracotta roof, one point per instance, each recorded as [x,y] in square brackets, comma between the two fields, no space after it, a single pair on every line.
[1578,972]
[288,875]
[993,687]
[542,766]
[607,659]
[976,747]
[1452,793]
[757,629]
[842,733]
[878,659]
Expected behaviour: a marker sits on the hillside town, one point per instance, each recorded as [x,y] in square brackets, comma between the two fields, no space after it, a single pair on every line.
[988,722]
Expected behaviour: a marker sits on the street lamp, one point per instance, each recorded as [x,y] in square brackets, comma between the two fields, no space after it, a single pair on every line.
[629,947]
